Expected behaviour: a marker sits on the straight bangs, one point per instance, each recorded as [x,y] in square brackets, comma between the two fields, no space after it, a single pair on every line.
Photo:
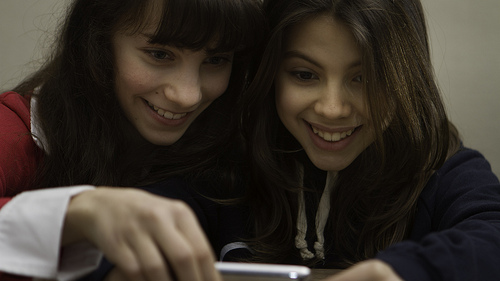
[213,25]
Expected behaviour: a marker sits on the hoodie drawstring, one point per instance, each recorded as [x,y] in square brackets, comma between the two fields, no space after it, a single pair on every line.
[321,219]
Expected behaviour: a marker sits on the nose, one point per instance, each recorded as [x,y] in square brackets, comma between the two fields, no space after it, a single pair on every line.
[184,90]
[333,101]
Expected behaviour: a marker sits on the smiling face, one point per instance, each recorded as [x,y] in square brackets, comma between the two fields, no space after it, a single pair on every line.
[161,88]
[319,93]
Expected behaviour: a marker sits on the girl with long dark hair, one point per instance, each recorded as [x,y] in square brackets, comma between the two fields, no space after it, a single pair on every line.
[134,92]
[353,158]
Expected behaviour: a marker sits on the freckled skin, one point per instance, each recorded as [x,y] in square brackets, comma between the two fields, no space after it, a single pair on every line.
[178,82]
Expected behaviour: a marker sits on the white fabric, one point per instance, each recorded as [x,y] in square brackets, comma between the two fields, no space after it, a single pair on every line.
[30,234]
[322,215]
[300,238]
[77,260]
[320,222]
[36,131]
[232,246]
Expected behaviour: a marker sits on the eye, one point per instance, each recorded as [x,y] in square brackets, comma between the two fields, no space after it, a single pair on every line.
[159,55]
[218,60]
[304,75]
[358,79]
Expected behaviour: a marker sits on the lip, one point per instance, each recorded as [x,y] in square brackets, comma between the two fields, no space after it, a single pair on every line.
[165,121]
[331,145]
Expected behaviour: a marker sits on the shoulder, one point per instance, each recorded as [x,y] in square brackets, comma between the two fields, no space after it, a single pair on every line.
[464,160]
[19,154]
[456,224]
[467,167]
[14,107]
[15,116]
[464,186]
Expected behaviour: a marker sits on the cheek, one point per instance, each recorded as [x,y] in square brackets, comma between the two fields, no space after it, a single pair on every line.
[288,102]
[282,100]
[215,85]
[133,80]
[133,76]
[361,106]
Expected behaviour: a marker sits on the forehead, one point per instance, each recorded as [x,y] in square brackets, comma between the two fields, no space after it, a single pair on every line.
[320,30]
[323,37]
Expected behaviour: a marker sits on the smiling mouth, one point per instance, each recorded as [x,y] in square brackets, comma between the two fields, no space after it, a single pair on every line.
[332,137]
[166,114]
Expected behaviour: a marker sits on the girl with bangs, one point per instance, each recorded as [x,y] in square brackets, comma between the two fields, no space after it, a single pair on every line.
[135,92]
[354,163]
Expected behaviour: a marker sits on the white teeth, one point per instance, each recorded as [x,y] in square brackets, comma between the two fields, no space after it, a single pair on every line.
[167,114]
[332,136]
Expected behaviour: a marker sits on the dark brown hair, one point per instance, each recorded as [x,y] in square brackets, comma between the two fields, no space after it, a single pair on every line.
[375,197]
[88,139]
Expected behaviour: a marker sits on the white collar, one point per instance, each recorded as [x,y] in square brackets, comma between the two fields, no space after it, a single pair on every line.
[36,132]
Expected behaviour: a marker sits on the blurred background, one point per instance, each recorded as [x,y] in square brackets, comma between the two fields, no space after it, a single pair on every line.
[465,41]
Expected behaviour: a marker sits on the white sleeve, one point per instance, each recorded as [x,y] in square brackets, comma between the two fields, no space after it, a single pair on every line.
[30,234]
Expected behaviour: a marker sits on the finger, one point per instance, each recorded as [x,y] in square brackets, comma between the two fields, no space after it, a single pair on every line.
[185,246]
[180,256]
[115,275]
[127,264]
[152,261]
[204,255]
[196,237]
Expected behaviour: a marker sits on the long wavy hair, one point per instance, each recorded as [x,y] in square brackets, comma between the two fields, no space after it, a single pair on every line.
[375,198]
[88,138]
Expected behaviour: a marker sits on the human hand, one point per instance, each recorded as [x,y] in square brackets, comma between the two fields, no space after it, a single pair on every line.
[115,275]
[147,237]
[370,270]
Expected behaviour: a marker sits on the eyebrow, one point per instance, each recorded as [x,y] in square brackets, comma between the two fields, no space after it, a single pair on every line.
[148,36]
[300,55]
[209,51]
[297,54]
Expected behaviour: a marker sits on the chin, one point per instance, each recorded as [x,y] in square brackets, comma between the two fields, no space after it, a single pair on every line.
[329,165]
[162,141]
[330,168]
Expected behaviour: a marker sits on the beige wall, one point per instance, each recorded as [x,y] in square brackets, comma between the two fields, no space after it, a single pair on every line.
[26,28]
[465,46]
[465,40]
